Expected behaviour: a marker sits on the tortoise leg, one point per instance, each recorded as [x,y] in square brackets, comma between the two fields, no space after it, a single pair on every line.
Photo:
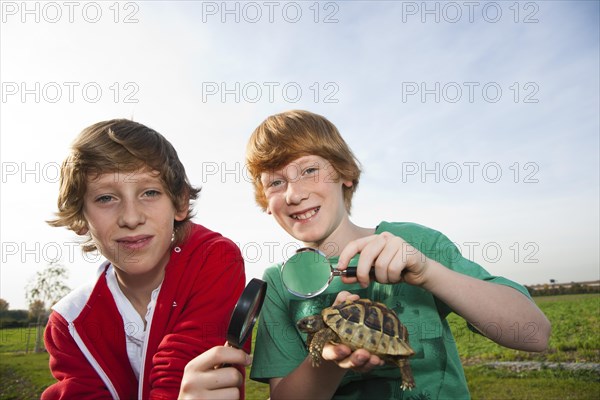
[408,382]
[317,343]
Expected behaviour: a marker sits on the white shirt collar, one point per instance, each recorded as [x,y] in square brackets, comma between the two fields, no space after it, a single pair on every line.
[135,332]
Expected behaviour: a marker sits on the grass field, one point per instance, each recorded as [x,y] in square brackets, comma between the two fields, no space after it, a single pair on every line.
[575,339]
[575,333]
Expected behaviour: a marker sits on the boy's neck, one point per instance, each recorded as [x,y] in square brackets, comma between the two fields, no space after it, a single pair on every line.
[138,289]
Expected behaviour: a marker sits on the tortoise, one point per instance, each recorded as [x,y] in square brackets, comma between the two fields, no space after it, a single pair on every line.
[361,324]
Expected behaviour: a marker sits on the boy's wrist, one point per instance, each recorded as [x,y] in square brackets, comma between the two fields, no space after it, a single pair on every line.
[433,273]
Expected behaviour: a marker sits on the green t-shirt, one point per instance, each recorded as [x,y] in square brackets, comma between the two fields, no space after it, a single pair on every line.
[280,347]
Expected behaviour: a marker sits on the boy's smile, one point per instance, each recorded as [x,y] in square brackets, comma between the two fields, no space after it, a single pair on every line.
[306,198]
[130,217]
[305,215]
[134,242]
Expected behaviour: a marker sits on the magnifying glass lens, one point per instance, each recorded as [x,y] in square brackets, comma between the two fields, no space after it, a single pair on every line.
[306,273]
[246,312]
[250,319]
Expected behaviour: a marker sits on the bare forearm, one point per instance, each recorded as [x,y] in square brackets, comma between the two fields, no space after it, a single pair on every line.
[308,382]
[500,312]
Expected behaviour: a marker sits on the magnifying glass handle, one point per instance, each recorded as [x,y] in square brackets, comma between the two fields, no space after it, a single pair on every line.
[350,272]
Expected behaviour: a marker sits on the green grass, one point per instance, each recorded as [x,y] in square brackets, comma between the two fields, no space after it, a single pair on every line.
[255,390]
[23,376]
[575,338]
[17,340]
[486,384]
[575,333]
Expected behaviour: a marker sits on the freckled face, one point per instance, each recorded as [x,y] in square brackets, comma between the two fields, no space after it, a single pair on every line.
[306,198]
[130,218]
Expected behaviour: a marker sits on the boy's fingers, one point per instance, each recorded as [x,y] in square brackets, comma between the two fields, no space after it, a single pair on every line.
[335,352]
[348,280]
[203,378]
[364,362]
[396,269]
[213,384]
[343,296]
[352,249]
[218,356]
[223,378]
[360,360]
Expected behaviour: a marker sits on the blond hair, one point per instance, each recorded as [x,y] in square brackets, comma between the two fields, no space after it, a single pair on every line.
[120,145]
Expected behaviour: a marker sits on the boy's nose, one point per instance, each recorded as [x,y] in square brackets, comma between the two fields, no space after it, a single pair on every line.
[131,215]
[295,193]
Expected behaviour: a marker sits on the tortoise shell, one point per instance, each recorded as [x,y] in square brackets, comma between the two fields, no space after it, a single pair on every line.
[361,324]
[368,325]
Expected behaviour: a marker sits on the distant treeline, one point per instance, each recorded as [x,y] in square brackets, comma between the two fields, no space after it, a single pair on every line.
[15,318]
[553,289]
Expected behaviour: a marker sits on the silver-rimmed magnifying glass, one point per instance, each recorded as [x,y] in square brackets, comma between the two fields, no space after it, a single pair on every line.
[308,272]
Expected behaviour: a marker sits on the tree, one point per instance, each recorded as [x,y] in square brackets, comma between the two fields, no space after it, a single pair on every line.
[48,285]
[44,291]
[37,310]
[3,305]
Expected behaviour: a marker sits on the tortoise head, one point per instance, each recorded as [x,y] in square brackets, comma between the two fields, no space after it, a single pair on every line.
[311,324]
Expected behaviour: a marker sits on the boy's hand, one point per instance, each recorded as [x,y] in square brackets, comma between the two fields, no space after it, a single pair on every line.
[203,379]
[360,360]
[343,296]
[393,259]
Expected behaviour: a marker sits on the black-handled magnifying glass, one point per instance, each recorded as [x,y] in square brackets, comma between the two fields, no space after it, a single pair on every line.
[245,313]
[308,273]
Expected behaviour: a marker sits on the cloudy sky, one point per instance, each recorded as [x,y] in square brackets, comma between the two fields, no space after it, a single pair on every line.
[478,119]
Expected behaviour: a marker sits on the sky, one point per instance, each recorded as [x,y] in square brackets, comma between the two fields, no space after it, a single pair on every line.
[477,119]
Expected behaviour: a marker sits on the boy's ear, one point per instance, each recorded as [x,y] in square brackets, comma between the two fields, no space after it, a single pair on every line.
[348,183]
[268,211]
[180,215]
[82,231]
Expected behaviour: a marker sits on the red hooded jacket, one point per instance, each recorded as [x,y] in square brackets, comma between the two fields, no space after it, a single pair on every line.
[85,336]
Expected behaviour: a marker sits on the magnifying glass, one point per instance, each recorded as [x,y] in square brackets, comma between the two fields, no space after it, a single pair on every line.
[245,313]
[308,273]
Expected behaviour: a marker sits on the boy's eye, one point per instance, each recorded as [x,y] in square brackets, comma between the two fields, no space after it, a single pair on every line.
[275,183]
[104,199]
[310,172]
[151,193]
